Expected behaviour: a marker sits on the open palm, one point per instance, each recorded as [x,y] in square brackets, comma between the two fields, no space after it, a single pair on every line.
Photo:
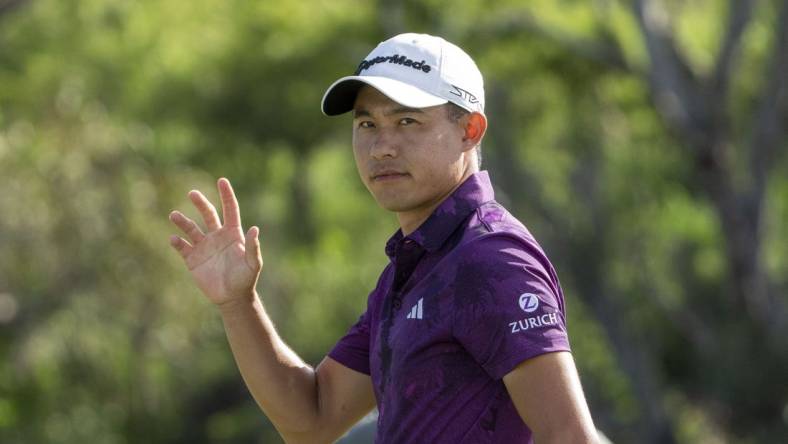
[224,263]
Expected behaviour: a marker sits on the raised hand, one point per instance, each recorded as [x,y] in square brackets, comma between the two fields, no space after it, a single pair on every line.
[224,263]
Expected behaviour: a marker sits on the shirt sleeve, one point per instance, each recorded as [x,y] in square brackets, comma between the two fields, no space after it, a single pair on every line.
[508,303]
[352,350]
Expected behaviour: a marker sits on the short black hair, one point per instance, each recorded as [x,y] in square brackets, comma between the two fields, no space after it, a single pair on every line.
[455,112]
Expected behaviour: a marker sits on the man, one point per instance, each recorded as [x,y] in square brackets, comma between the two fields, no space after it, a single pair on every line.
[464,338]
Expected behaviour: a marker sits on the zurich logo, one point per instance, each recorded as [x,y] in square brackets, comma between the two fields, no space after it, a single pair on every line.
[529,302]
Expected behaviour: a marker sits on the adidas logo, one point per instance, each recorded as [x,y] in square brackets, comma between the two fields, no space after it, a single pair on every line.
[417,311]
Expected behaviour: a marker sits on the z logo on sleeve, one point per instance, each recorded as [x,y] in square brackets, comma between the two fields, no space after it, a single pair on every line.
[529,302]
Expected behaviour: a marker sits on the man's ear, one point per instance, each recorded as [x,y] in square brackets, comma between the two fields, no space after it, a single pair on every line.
[475,125]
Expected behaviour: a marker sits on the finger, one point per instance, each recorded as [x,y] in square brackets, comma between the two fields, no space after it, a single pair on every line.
[232,216]
[206,208]
[253,256]
[181,246]
[188,226]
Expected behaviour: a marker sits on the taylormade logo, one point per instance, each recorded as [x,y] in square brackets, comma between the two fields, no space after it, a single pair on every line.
[396,58]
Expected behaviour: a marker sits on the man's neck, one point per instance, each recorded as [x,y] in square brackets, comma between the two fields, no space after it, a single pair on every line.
[410,221]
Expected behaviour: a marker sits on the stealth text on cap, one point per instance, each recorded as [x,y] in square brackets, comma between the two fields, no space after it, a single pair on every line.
[396,58]
[466,95]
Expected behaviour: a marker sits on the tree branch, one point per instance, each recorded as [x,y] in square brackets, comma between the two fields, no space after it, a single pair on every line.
[768,128]
[604,51]
[7,6]
[739,14]
[674,86]
[769,122]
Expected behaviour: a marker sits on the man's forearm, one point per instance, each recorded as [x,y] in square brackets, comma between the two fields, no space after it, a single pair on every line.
[282,384]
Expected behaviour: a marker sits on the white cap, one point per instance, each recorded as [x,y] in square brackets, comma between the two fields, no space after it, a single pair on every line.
[414,70]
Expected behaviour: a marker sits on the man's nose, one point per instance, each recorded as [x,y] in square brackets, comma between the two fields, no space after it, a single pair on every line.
[384,144]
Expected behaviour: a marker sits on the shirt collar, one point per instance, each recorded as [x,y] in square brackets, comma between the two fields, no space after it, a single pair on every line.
[470,195]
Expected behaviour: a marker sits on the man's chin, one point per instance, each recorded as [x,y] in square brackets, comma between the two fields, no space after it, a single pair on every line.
[395,206]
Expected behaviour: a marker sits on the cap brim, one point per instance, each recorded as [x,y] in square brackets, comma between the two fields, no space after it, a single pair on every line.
[340,97]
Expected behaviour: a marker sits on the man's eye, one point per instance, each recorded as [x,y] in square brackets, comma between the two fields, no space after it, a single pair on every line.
[406,121]
[366,124]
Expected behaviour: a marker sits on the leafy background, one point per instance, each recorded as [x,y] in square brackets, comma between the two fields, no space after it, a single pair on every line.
[642,142]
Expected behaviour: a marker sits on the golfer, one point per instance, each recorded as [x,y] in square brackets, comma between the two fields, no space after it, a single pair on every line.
[463,339]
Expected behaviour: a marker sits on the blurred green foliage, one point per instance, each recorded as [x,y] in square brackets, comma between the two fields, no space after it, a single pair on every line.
[112,110]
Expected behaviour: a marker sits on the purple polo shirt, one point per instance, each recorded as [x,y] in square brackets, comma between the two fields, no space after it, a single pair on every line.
[465,298]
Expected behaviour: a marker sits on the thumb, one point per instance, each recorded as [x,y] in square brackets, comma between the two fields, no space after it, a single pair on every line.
[253,256]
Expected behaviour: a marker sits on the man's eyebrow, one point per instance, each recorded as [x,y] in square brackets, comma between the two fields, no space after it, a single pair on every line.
[399,110]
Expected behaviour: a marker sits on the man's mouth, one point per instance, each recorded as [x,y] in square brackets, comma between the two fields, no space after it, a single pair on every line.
[387,175]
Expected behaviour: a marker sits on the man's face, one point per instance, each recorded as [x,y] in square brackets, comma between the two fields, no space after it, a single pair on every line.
[409,159]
